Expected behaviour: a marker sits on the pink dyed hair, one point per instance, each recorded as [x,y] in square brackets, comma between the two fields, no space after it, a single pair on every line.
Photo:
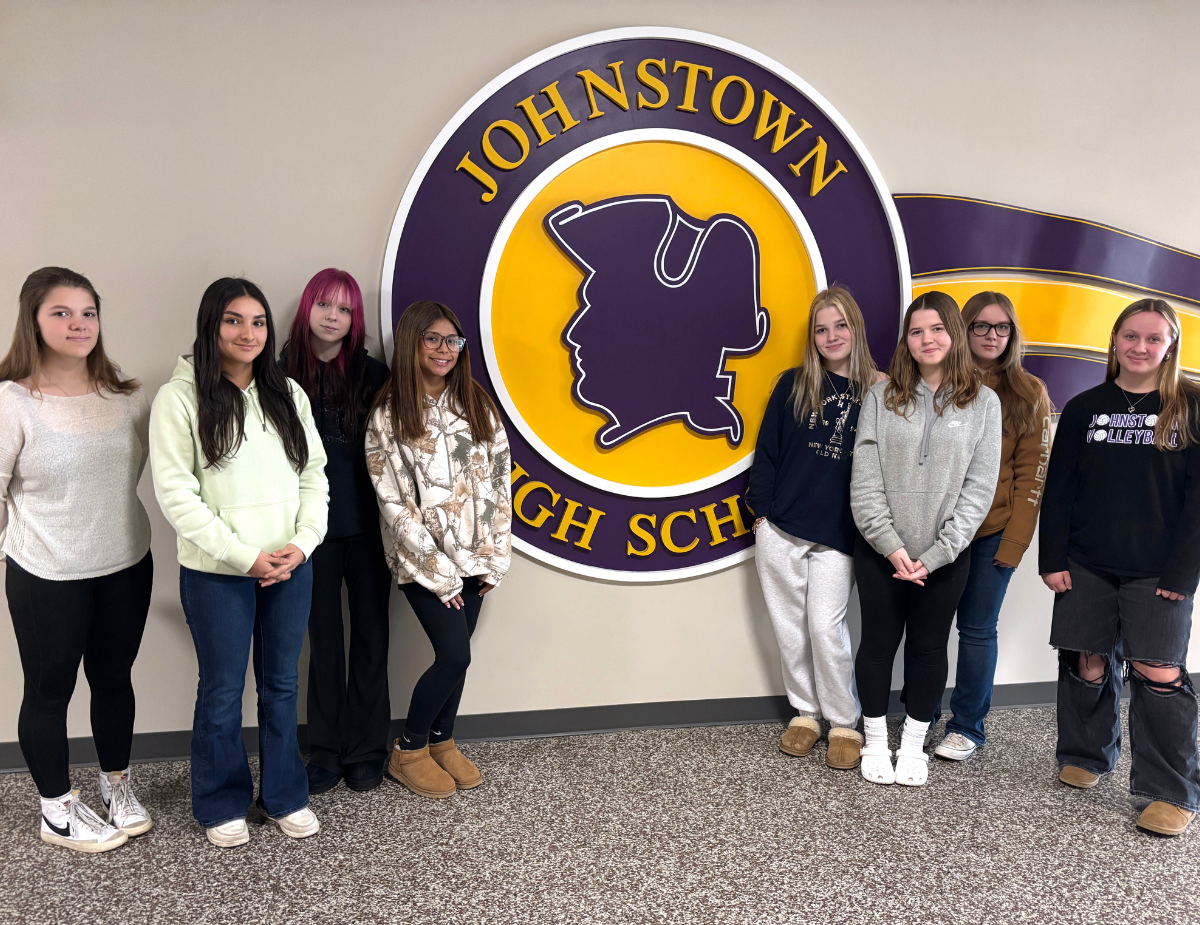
[328,284]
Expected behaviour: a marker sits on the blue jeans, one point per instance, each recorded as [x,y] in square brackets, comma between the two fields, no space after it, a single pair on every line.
[978,614]
[225,613]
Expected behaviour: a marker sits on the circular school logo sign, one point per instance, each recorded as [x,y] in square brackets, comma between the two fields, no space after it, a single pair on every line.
[631,226]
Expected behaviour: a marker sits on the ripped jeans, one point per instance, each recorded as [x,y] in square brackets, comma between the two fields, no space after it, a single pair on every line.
[1123,620]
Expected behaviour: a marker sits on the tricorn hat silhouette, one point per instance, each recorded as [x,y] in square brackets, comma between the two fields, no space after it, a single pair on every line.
[666,299]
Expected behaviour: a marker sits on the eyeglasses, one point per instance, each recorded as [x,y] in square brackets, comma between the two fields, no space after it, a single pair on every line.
[982,329]
[434,341]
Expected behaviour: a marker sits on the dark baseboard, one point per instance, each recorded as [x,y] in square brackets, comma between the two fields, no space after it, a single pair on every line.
[168,746]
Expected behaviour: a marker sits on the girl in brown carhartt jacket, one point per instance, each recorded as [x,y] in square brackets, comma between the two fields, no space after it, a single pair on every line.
[1023,461]
[1001,541]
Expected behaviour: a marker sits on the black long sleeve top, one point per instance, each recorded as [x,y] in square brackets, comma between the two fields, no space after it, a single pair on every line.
[352,506]
[1116,503]
[800,479]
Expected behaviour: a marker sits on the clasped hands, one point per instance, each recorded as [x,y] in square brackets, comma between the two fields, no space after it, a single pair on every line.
[907,569]
[273,567]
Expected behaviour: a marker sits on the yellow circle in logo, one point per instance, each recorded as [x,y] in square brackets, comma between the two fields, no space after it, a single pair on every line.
[535,295]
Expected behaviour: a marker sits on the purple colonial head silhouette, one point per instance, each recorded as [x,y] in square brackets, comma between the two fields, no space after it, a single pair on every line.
[666,299]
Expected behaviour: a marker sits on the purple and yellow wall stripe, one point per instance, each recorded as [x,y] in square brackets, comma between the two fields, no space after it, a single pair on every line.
[1068,278]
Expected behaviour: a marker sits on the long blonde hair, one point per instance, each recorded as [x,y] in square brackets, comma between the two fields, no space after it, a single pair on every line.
[1175,390]
[1024,395]
[960,378]
[809,381]
[24,359]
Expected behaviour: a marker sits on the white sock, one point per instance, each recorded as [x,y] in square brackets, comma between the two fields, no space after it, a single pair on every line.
[912,737]
[106,779]
[875,732]
[54,811]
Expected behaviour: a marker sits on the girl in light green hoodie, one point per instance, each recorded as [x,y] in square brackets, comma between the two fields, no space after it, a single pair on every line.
[239,472]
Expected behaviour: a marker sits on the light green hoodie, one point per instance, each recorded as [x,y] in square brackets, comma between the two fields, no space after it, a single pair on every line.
[254,502]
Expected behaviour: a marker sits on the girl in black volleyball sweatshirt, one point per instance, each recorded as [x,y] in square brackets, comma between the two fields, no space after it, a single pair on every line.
[1114,501]
[1120,547]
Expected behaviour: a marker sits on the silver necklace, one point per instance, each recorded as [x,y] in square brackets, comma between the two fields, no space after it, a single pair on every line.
[1132,404]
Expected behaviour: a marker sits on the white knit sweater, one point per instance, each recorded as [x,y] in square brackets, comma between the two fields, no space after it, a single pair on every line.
[69,469]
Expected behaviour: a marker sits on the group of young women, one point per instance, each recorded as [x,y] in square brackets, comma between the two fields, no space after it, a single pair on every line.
[274,475]
[287,479]
[924,486]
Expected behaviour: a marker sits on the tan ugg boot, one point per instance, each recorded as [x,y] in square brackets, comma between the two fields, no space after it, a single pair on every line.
[1080,778]
[800,736]
[1164,819]
[845,748]
[456,764]
[420,773]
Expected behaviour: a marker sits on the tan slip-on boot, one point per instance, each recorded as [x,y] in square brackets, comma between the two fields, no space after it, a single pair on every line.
[1164,819]
[420,773]
[800,736]
[456,764]
[845,749]
[1080,778]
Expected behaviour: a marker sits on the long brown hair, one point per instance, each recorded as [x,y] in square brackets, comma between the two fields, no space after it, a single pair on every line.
[1024,396]
[222,406]
[1176,391]
[960,379]
[809,381]
[403,397]
[24,359]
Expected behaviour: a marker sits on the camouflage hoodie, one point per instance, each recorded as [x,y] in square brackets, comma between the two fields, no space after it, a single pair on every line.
[445,501]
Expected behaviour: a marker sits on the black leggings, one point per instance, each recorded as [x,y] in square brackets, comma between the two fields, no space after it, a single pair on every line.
[435,699]
[892,608]
[58,623]
[349,712]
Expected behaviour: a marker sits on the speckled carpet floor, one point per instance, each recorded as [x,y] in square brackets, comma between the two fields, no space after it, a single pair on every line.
[710,825]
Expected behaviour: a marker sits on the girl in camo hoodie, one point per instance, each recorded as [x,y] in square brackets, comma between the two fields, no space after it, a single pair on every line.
[438,457]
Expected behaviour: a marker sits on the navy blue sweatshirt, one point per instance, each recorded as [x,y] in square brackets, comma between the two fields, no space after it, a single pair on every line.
[800,480]
[1116,503]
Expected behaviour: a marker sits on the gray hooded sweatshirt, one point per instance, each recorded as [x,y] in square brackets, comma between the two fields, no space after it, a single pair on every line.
[925,483]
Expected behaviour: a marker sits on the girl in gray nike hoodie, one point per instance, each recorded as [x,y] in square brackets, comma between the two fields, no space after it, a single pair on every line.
[926,461]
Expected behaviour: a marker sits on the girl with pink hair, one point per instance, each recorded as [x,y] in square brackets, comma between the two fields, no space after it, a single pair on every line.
[349,710]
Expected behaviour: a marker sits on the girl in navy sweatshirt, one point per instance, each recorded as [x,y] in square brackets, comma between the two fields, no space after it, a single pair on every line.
[800,494]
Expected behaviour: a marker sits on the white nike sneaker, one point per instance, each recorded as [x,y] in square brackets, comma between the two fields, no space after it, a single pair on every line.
[955,747]
[300,824]
[124,809]
[229,834]
[70,823]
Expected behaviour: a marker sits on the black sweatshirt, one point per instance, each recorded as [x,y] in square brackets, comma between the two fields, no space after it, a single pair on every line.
[1113,501]
[800,480]
[352,505]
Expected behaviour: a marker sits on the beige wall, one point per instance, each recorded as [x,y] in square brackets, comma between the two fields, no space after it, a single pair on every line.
[157,146]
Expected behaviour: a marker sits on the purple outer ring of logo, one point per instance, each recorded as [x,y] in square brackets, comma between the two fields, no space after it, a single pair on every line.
[440,250]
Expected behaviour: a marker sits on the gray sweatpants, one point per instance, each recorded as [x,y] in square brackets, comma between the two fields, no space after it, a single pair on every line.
[807,589]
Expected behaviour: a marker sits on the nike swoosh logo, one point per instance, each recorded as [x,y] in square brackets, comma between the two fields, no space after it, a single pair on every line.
[63,830]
